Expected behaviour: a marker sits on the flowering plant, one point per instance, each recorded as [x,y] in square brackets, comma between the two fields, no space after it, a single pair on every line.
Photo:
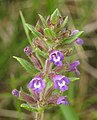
[51,47]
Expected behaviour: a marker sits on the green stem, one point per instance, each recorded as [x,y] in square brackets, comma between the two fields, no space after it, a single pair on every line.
[40,116]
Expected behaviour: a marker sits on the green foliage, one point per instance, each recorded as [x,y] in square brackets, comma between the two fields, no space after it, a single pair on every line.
[74,79]
[42,20]
[68,112]
[25,28]
[54,16]
[64,22]
[72,38]
[50,33]
[29,107]
[27,66]
[42,53]
[35,33]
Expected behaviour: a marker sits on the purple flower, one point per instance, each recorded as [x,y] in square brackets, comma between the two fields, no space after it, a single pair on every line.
[61,82]
[62,100]
[78,40]
[27,50]
[73,67]
[15,93]
[56,57]
[37,84]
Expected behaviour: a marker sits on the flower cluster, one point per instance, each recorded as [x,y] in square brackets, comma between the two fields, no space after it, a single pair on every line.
[49,53]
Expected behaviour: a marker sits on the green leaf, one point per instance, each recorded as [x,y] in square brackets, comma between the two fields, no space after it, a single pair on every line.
[35,33]
[48,32]
[42,20]
[64,22]
[42,53]
[54,16]
[72,38]
[68,112]
[27,66]
[29,108]
[74,79]
[25,28]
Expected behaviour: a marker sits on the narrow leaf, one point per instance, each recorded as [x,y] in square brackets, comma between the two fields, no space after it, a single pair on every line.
[69,113]
[29,108]
[64,22]
[42,20]
[27,66]
[72,38]
[74,79]
[35,33]
[48,32]
[54,16]
[25,28]
[42,53]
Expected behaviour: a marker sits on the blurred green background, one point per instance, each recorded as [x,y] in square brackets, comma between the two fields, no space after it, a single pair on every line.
[83,16]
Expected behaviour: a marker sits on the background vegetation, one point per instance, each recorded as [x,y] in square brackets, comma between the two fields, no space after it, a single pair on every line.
[83,16]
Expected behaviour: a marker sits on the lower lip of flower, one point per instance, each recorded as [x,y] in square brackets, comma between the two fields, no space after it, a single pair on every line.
[61,84]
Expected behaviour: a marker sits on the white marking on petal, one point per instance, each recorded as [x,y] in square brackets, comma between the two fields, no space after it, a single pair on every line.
[61,84]
[37,85]
[56,59]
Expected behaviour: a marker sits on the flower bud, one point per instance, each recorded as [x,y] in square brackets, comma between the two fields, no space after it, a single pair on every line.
[15,93]
[27,50]
[49,92]
[27,98]
[36,62]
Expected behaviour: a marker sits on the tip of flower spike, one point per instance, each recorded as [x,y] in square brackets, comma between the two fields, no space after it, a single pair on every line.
[15,93]
[27,50]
